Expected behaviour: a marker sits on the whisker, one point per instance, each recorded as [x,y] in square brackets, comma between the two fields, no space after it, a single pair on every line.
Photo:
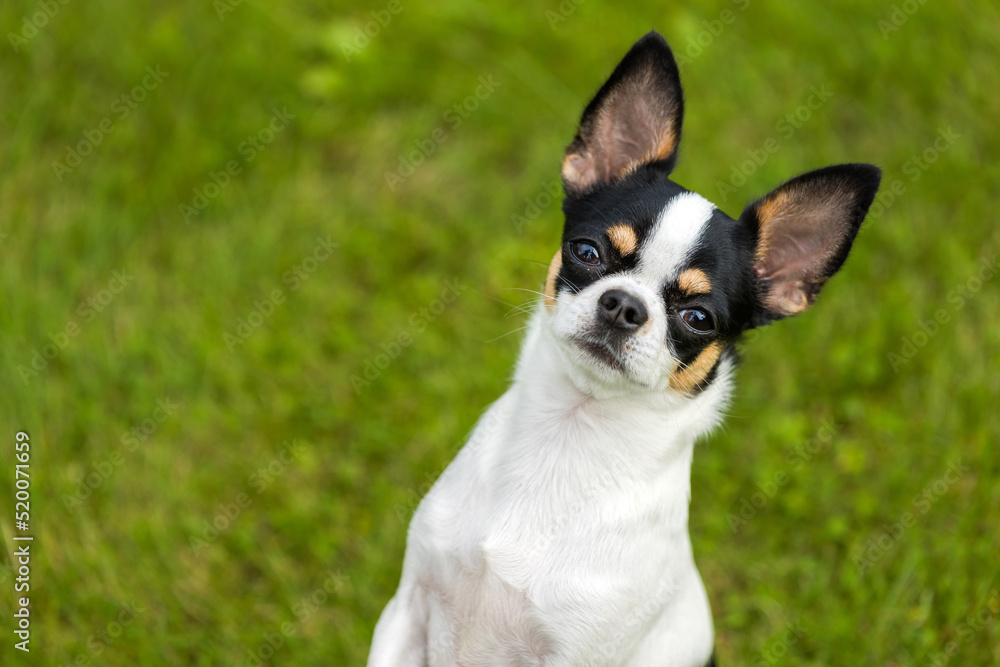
[569,282]
[523,289]
[493,340]
[524,308]
[493,298]
[536,262]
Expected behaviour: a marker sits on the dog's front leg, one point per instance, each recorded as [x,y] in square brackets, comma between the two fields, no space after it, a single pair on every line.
[401,633]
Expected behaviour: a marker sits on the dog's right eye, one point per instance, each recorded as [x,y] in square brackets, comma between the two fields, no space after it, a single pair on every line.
[585,252]
[697,320]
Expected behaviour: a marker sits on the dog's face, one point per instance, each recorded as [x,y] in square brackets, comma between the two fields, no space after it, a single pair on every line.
[653,284]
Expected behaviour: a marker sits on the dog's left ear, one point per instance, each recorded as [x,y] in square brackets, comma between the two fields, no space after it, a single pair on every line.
[634,120]
[804,230]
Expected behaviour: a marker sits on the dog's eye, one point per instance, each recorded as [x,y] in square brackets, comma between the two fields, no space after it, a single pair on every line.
[697,320]
[585,252]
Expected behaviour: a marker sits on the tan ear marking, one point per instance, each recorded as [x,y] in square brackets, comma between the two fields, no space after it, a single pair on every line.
[569,169]
[624,240]
[664,148]
[578,171]
[694,281]
[790,298]
[769,210]
[686,378]
[771,207]
[550,280]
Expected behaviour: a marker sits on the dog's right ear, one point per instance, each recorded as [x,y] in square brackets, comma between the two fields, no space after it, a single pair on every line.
[634,120]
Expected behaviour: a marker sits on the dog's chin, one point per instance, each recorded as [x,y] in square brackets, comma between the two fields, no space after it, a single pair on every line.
[601,355]
[603,365]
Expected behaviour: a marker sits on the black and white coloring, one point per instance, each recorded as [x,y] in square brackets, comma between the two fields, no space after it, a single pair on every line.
[558,536]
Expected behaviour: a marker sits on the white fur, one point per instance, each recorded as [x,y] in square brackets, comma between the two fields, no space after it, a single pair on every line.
[645,360]
[676,234]
[558,535]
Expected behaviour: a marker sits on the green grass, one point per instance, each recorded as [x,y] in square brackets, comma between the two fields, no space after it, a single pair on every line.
[334,512]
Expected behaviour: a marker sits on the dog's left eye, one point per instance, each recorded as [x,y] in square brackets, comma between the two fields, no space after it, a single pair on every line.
[585,252]
[697,320]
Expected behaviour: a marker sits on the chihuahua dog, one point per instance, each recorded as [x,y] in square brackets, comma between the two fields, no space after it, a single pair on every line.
[558,535]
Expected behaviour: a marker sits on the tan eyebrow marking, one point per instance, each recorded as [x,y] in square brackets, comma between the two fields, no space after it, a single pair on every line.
[550,280]
[623,238]
[694,281]
[687,378]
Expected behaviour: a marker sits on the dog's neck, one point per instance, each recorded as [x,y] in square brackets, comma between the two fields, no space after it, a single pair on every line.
[562,424]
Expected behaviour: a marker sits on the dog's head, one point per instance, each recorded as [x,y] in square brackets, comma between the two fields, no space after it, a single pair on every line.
[653,283]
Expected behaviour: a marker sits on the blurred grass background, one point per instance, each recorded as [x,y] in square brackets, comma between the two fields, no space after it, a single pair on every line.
[168,404]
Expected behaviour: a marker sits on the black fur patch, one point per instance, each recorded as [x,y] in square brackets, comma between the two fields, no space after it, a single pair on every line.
[769,264]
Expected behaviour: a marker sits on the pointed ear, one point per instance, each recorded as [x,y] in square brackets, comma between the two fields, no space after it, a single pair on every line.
[635,119]
[804,230]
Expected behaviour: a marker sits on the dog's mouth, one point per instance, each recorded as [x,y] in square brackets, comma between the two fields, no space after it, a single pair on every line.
[600,352]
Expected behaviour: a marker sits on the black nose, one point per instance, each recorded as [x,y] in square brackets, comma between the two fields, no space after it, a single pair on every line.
[622,310]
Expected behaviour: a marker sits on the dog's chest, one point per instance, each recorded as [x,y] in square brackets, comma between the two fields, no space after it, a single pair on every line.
[558,558]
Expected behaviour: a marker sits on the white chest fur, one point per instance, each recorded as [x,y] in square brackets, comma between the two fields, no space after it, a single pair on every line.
[558,535]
